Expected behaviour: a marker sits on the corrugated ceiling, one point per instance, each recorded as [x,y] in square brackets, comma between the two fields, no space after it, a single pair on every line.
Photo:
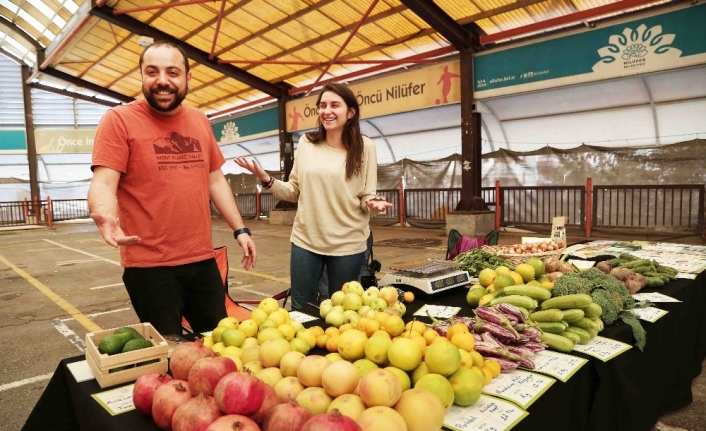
[246,46]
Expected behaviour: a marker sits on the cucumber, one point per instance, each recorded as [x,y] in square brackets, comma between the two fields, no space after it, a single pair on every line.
[553,327]
[585,323]
[571,336]
[535,292]
[557,342]
[583,334]
[592,310]
[552,315]
[517,301]
[576,300]
[573,314]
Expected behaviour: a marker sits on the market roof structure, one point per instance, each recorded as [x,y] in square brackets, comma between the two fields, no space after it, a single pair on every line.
[245,53]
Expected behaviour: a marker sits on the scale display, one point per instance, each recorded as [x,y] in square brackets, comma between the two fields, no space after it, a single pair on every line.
[432,284]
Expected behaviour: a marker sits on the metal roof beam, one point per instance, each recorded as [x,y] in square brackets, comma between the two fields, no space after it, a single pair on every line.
[137,27]
[87,85]
[441,22]
[73,95]
[15,29]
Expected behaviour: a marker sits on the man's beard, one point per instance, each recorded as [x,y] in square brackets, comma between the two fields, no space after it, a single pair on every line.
[151,99]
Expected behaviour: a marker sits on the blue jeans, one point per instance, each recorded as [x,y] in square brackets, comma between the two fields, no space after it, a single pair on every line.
[306,268]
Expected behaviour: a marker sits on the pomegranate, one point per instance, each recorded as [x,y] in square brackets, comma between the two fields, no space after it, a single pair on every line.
[167,399]
[196,414]
[239,394]
[289,416]
[184,356]
[271,399]
[332,421]
[143,391]
[207,372]
[233,423]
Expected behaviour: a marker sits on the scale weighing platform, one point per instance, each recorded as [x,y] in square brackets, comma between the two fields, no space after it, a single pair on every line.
[428,275]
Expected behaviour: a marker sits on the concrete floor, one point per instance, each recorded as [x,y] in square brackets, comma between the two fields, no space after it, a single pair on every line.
[58,284]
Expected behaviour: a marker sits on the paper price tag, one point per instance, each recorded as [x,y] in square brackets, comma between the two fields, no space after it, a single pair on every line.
[116,401]
[487,414]
[557,365]
[686,276]
[602,348]
[654,297]
[301,317]
[521,387]
[438,311]
[649,314]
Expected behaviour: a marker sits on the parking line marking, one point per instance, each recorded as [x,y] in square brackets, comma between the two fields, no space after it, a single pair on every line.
[95,256]
[26,381]
[69,334]
[256,292]
[73,262]
[104,286]
[73,311]
[259,274]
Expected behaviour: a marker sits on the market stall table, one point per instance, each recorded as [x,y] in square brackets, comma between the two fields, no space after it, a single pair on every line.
[627,393]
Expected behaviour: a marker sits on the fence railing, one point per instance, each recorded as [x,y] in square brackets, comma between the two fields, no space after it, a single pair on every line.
[670,207]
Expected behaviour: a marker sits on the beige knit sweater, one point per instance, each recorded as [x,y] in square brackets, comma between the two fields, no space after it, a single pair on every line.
[332,216]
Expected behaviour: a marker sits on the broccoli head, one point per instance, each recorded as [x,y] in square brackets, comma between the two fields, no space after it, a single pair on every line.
[611,284]
[609,304]
[571,283]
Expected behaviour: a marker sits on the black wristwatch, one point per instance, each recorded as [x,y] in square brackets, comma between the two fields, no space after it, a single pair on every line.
[239,231]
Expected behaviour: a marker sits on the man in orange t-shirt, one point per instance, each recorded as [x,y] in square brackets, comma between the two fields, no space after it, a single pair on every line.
[156,165]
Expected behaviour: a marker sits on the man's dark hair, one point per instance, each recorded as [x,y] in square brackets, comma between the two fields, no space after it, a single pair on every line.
[170,45]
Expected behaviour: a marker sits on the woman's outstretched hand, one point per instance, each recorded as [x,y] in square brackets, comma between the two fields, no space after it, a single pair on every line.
[253,167]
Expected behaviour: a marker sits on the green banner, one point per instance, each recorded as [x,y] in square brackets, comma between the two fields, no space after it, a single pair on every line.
[13,140]
[670,40]
[246,127]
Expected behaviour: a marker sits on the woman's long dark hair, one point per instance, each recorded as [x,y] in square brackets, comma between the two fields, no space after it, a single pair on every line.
[352,138]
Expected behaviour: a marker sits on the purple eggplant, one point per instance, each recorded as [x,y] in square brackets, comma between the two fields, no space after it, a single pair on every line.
[507,365]
[495,317]
[510,310]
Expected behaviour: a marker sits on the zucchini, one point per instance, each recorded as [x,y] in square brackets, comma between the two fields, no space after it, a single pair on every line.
[598,323]
[557,342]
[516,300]
[585,323]
[583,334]
[536,292]
[553,327]
[571,336]
[592,310]
[573,314]
[552,315]
[576,300]
[654,282]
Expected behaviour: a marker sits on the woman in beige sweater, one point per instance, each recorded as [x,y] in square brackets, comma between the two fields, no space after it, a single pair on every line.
[333,180]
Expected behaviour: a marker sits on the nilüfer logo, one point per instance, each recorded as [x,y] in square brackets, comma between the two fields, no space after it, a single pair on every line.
[636,48]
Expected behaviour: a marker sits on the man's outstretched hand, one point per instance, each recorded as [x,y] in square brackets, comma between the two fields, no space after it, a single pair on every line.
[112,233]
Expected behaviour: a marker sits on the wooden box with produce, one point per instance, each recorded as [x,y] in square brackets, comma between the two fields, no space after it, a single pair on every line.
[123,354]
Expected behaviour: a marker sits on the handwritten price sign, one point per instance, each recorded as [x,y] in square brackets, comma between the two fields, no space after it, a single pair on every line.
[116,401]
[557,365]
[487,414]
[649,314]
[520,387]
[438,311]
[602,348]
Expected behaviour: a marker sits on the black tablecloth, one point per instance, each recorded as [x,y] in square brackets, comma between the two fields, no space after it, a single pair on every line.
[627,393]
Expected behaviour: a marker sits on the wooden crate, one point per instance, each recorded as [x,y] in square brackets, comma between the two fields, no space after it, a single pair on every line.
[101,363]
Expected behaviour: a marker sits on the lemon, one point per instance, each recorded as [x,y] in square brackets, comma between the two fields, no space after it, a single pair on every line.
[287,331]
[233,337]
[308,336]
[486,277]
[477,358]
[300,345]
[493,366]
[351,344]
[504,281]
[208,341]
[443,358]
[268,334]
[404,354]
[376,349]
[402,376]
[502,269]
[218,347]
[463,340]
[249,327]
[229,322]
[475,293]
[269,305]
[439,386]
[232,351]
[216,333]
[467,386]
[526,272]
[258,315]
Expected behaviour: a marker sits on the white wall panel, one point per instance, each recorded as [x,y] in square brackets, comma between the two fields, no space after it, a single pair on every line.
[678,85]
[682,121]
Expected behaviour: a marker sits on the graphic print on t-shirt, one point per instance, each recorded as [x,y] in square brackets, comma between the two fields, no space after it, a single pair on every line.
[175,151]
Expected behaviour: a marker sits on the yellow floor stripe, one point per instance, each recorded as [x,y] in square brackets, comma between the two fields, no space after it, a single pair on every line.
[70,309]
[261,275]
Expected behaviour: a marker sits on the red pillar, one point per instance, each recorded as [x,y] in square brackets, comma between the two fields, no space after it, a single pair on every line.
[498,199]
[589,206]
[49,212]
[401,204]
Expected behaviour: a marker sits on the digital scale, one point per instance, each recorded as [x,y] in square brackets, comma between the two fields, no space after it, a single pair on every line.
[428,275]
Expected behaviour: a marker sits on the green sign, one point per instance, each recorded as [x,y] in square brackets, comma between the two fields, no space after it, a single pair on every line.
[246,127]
[13,140]
[670,40]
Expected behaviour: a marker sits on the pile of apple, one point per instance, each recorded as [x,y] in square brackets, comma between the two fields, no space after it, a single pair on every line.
[352,302]
[256,374]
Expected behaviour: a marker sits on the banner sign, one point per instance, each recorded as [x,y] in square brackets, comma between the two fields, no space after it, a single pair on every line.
[401,92]
[246,127]
[13,140]
[64,141]
[670,40]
